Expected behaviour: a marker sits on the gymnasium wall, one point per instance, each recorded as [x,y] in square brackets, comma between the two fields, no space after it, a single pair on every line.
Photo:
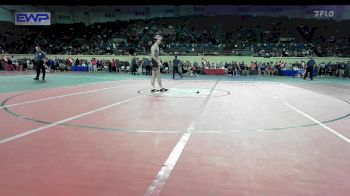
[5,15]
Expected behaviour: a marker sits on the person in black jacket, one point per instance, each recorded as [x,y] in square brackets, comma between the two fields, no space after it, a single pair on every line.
[133,65]
[310,68]
[40,56]
[176,64]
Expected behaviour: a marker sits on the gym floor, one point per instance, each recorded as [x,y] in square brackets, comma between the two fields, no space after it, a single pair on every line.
[107,134]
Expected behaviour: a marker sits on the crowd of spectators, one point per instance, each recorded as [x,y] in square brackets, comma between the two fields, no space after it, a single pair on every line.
[221,35]
[142,66]
[195,35]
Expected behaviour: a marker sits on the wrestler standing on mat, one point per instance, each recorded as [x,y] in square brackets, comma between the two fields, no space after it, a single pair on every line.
[156,64]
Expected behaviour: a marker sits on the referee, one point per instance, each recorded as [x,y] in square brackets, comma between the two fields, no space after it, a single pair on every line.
[176,63]
[39,61]
[310,68]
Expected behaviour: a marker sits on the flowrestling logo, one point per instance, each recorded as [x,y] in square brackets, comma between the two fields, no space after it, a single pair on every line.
[324,13]
[33,18]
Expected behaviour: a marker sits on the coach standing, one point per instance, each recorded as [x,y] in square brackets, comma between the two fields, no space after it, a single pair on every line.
[39,60]
[310,68]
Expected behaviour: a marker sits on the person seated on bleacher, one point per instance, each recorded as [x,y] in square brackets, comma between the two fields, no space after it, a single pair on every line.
[7,63]
[83,63]
[263,69]
[63,66]
[56,64]
[3,61]
[69,62]
[184,68]
[252,69]
[165,67]
[99,65]
[51,64]
[77,62]
[29,64]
